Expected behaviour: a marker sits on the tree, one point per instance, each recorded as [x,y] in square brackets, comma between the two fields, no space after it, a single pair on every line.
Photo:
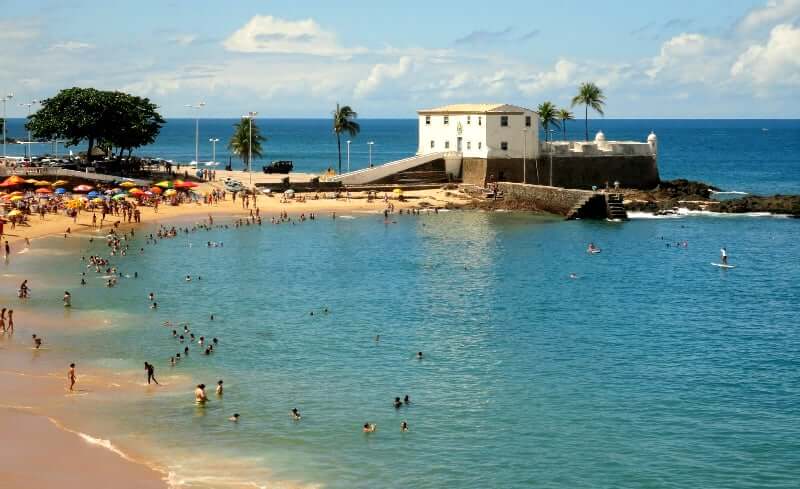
[547,115]
[239,143]
[590,95]
[343,121]
[564,115]
[97,117]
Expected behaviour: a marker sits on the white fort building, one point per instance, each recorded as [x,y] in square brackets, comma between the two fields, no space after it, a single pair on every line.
[480,143]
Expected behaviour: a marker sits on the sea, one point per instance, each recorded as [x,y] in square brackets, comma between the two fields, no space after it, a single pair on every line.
[749,155]
[543,366]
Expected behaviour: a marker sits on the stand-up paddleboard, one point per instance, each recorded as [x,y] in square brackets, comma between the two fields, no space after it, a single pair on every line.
[594,251]
[721,265]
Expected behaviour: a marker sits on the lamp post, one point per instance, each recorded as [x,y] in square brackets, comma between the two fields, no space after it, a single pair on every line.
[370,144]
[5,99]
[213,142]
[250,116]
[524,156]
[29,105]
[348,155]
[197,108]
[551,156]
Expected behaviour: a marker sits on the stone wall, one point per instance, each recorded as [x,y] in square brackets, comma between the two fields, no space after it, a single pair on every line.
[580,172]
[549,199]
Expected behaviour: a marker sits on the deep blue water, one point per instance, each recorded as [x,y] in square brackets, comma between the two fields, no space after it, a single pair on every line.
[651,369]
[732,154]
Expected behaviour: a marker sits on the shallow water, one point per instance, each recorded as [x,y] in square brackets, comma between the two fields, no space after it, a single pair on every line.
[652,368]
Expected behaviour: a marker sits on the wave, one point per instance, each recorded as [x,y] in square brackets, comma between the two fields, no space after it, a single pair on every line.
[729,192]
[683,212]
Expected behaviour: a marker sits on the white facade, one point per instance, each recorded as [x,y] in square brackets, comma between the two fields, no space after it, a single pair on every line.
[479,131]
[602,147]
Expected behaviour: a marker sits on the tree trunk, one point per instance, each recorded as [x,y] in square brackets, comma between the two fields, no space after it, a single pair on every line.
[89,153]
[339,146]
[586,121]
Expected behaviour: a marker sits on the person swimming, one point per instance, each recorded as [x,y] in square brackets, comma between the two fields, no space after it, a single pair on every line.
[370,428]
[295,414]
[234,418]
[397,403]
[219,387]
[419,355]
[404,426]
[407,399]
[188,278]
[67,299]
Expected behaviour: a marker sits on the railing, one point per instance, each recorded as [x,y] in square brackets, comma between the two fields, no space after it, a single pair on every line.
[386,168]
[62,172]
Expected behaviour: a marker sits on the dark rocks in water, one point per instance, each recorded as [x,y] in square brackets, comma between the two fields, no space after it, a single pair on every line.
[775,204]
[684,190]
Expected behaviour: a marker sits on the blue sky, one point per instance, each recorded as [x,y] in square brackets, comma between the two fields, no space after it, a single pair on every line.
[701,58]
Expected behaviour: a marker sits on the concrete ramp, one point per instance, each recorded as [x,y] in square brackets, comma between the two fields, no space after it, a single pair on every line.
[381,172]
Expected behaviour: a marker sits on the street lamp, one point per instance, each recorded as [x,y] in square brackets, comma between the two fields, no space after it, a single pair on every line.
[250,116]
[197,107]
[5,99]
[29,105]
[524,156]
[348,155]
[213,142]
[551,131]
[370,143]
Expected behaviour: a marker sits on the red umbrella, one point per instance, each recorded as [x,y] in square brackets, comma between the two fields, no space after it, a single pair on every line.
[186,185]
[12,181]
[82,188]
[44,190]
[156,190]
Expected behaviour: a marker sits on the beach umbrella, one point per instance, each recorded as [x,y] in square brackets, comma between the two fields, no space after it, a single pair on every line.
[42,183]
[43,190]
[135,191]
[117,190]
[163,184]
[12,181]
[14,194]
[97,200]
[181,184]
[398,191]
[82,188]
[118,197]
[170,192]
[31,181]
[61,191]
[127,184]
[156,190]
[16,198]
[92,194]
[14,213]
[59,183]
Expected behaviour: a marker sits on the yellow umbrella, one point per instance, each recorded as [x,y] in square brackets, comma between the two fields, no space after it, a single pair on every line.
[59,183]
[164,184]
[170,192]
[16,198]
[42,183]
[127,184]
[14,194]
[97,200]
[398,191]
[13,213]
[31,180]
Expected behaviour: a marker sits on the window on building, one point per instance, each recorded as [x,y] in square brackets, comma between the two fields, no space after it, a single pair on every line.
[469,120]
[479,120]
[480,144]
[503,121]
[433,143]
[427,120]
[469,145]
[446,120]
[447,145]
[504,146]
[527,121]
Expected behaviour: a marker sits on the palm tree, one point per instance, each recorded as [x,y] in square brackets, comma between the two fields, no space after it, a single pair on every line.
[343,121]
[239,143]
[590,95]
[565,115]
[547,115]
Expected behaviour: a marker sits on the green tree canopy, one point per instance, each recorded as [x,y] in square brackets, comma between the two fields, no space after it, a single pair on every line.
[239,143]
[564,115]
[97,117]
[589,95]
[344,121]
[547,115]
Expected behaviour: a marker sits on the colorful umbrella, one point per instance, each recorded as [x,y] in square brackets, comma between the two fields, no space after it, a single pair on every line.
[185,185]
[118,197]
[92,194]
[135,191]
[97,200]
[42,183]
[164,184]
[14,213]
[82,188]
[14,194]
[127,184]
[12,181]
[61,191]
[31,181]
[59,183]
[43,190]
[16,198]
[156,190]
[170,192]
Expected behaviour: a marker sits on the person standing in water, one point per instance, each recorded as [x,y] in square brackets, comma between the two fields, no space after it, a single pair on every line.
[723,253]
[71,376]
[67,299]
[10,324]
[151,373]
[200,394]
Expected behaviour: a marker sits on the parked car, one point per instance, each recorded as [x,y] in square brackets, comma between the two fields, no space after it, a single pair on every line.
[232,185]
[280,166]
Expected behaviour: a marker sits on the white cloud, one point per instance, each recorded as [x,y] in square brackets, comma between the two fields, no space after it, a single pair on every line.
[268,34]
[183,39]
[561,75]
[775,63]
[71,46]
[774,12]
[689,58]
[381,73]
[18,31]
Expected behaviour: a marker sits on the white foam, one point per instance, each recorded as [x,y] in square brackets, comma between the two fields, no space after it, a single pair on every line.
[729,192]
[684,212]
[100,442]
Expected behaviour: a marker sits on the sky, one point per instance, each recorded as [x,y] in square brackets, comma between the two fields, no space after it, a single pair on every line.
[681,58]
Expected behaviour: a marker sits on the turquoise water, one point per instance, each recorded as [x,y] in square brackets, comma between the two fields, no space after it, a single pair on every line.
[651,369]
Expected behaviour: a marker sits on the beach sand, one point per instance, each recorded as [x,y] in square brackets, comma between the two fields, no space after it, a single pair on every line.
[45,440]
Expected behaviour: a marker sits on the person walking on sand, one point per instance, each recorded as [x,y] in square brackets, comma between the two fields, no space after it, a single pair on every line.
[151,373]
[71,376]
[3,320]
[10,324]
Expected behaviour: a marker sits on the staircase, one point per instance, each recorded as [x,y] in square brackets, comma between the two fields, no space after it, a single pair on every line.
[614,208]
[590,207]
